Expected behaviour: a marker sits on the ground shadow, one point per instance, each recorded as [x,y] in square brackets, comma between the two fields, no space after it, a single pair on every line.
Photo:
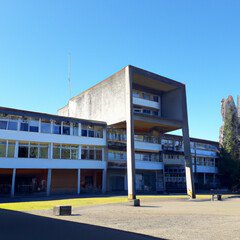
[24,226]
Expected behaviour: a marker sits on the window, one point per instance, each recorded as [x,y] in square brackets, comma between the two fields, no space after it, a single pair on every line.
[3,145]
[75,129]
[137,110]
[91,153]
[45,126]
[84,153]
[146,96]
[84,131]
[99,154]
[24,125]
[33,126]
[66,128]
[57,127]
[11,149]
[56,151]
[146,111]
[155,112]
[90,131]
[12,125]
[3,124]
[74,152]
[43,150]
[23,150]
[65,152]
[155,98]
[98,131]
[34,150]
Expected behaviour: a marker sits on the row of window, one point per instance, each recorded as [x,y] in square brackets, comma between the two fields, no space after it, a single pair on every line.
[146,111]
[41,150]
[210,162]
[121,156]
[146,96]
[172,156]
[47,126]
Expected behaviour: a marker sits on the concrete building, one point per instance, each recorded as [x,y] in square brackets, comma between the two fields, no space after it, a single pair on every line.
[112,137]
[139,102]
[42,153]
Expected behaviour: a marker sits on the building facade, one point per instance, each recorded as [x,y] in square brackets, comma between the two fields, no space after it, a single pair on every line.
[112,137]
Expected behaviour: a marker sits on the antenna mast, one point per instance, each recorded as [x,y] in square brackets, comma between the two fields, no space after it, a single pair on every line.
[69,81]
[69,75]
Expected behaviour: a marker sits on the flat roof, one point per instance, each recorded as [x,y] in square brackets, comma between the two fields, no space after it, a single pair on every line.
[25,113]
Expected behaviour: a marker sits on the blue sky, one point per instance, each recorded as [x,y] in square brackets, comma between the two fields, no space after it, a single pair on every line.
[194,42]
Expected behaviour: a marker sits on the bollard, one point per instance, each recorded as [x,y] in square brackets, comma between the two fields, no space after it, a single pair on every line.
[62,210]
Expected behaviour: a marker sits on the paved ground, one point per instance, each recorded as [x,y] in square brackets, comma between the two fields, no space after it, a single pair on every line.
[24,226]
[168,219]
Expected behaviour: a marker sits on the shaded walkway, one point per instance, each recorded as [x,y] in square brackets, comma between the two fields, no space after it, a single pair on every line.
[24,226]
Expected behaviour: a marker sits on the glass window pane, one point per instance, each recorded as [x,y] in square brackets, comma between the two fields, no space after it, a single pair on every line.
[24,126]
[56,152]
[22,151]
[45,126]
[66,130]
[33,126]
[84,153]
[90,133]
[57,128]
[91,154]
[74,153]
[3,124]
[75,129]
[3,145]
[98,132]
[65,153]
[11,149]
[12,125]
[99,154]
[84,132]
[43,152]
[33,151]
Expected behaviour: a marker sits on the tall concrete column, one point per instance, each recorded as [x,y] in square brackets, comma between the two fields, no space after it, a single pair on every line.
[79,181]
[187,149]
[204,178]
[49,179]
[104,180]
[13,182]
[130,136]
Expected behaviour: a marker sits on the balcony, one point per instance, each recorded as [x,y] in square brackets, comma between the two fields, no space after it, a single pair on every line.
[146,103]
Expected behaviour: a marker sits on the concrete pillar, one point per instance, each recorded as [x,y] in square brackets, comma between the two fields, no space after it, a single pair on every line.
[204,178]
[13,182]
[130,136]
[104,180]
[79,182]
[49,178]
[187,149]
[50,151]
[16,149]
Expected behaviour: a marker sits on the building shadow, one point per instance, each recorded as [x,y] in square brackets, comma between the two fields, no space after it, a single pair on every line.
[24,226]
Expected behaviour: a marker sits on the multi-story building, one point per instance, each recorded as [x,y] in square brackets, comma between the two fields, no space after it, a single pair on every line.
[141,103]
[43,153]
[122,145]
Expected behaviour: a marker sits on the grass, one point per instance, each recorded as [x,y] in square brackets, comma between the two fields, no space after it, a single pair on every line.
[78,202]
